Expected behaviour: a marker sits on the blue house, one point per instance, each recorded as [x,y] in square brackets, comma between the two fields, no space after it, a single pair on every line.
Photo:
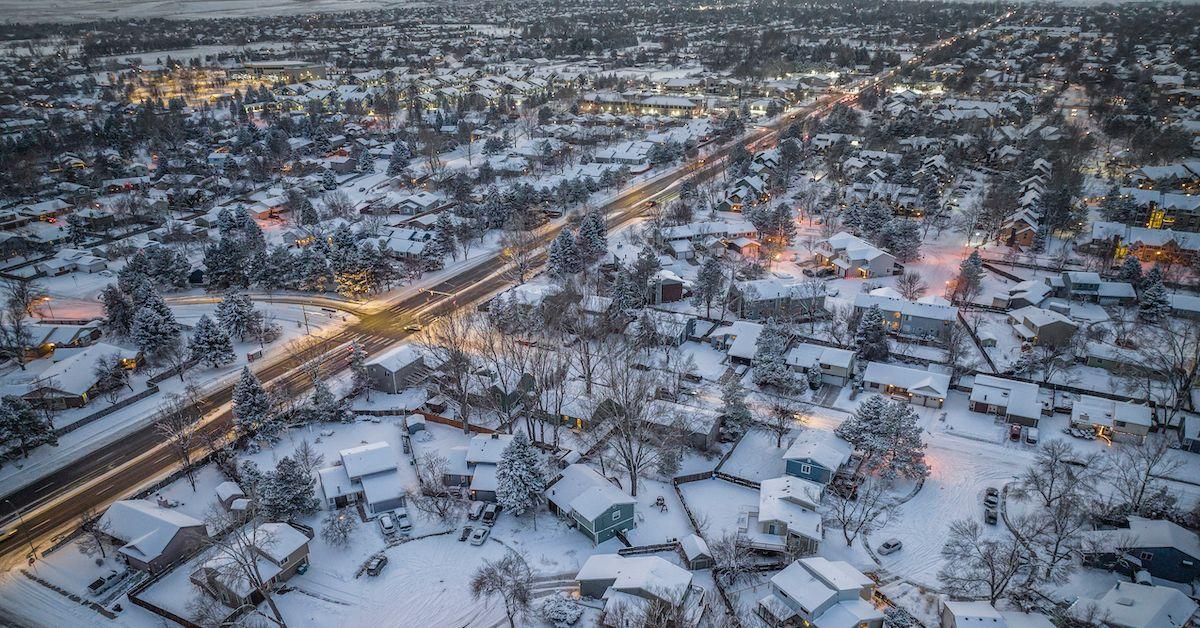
[1164,549]
[593,504]
[816,456]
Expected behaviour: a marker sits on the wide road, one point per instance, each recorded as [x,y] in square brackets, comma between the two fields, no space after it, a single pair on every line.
[52,505]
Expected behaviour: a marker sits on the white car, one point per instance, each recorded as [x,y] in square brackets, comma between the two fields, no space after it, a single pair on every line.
[890,546]
[387,525]
[479,535]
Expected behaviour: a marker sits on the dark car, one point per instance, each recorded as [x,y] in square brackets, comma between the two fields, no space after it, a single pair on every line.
[464,533]
[808,272]
[1014,432]
[825,272]
[991,498]
[376,565]
[990,516]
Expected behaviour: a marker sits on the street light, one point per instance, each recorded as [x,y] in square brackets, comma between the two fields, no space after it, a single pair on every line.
[21,519]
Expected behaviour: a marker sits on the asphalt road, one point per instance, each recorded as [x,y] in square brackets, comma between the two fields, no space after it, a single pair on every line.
[52,505]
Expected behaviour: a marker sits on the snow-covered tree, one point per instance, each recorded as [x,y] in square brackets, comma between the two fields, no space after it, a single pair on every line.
[338,527]
[329,180]
[238,317]
[625,293]
[210,344]
[870,338]
[251,404]
[770,367]
[1131,271]
[118,310]
[970,277]
[520,476]
[155,334]
[22,429]
[287,492]
[327,407]
[734,407]
[564,258]
[1154,302]
[360,381]
[887,435]
[710,283]
[592,238]
[902,238]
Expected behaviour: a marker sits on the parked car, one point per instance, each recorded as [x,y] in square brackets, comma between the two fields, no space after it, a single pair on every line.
[489,514]
[825,272]
[1014,432]
[991,497]
[104,583]
[464,533]
[990,516]
[890,546]
[475,511]
[1031,436]
[402,520]
[387,525]
[479,536]
[808,272]
[376,565]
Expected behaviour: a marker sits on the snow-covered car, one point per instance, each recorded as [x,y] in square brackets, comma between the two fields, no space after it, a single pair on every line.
[387,525]
[991,497]
[376,565]
[402,520]
[464,533]
[479,536]
[890,546]
[475,511]
[490,512]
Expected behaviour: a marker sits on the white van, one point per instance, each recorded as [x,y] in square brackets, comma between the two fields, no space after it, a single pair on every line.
[1031,436]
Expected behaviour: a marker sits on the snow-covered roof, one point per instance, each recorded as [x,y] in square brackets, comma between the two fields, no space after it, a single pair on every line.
[745,338]
[367,459]
[397,358]
[483,477]
[583,490]
[638,575]
[816,581]
[931,308]
[914,380]
[77,373]
[694,546]
[226,490]
[970,614]
[487,447]
[1020,398]
[278,540]
[695,419]
[145,527]
[1132,605]
[792,501]
[822,447]
[806,355]
[1094,410]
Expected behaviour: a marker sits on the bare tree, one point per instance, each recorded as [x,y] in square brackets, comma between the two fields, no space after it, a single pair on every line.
[782,418]
[95,539]
[518,251]
[960,351]
[733,560]
[1136,472]
[449,341]
[1056,537]
[636,445]
[177,423]
[1167,367]
[15,332]
[435,498]
[911,286]
[858,514]
[506,357]
[508,577]
[1059,473]
[551,393]
[979,564]
[842,324]
[237,553]
[339,526]
[308,457]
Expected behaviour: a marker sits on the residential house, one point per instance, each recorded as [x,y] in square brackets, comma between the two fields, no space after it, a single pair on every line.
[473,469]
[977,614]
[1133,605]
[280,551]
[851,256]
[739,340]
[701,426]
[1022,294]
[816,456]
[820,593]
[1040,326]
[365,474]
[394,370]
[830,364]
[69,378]
[928,317]
[787,517]
[765,298]
[149,537]
[1088,286]
[1112,419]
[594,505]
[1016,402]
[1164,549]
[917,386]
[632,581]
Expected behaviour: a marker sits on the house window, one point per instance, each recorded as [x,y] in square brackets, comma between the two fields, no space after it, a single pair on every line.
[806,468]
[1146,557]
[617,515]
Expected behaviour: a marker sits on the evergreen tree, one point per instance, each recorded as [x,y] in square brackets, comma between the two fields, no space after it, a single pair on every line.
[327,407]
[735,409]
[1154,302]
[225,263]
[210,344]
[118,310]
[870,339]
[591,240]
[360,381]
[625,293]
[1131,271]
[329,180]
[520,476]
[273,271]
[154,334]
[710,282]
[770,367]
[444,239]
[22,429]
[902,238]
[970,276]
[238,317]
[564,258]
[251,404]
[287,492]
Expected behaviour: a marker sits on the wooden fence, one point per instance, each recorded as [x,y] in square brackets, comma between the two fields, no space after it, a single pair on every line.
[103,412]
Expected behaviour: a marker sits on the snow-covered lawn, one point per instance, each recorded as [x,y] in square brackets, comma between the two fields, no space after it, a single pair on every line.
[656,526]
[756,457]
[717,503]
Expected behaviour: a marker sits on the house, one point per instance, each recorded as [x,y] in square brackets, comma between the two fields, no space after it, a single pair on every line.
[816,456]
[786,519]
[774,297]
[1017,402]
[666,287]
[739,340]
[851,256]
[701,426]
[1112,419]
[978,614]
[597,508]
[667,328]
[150,537]
[1028,292]
[1088,286]
[1040,326]
[830,364]
[394,370]
[632,581]
[1163,548]
[366,474]
[928,317]
[1184,306]
[280,551]
[918,386]
[820,593]
[227,493]
[1189,432]
[695,552]
[473,469]
[1132,605]
[69,379]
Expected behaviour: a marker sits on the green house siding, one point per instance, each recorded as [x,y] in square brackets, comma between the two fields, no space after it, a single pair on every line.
[605,526]
[815,472]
